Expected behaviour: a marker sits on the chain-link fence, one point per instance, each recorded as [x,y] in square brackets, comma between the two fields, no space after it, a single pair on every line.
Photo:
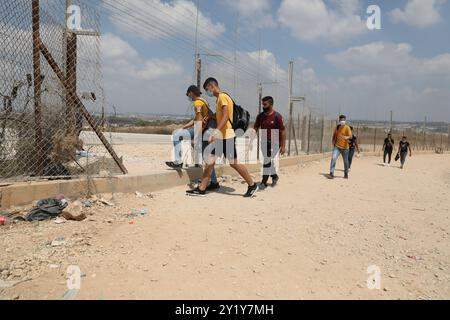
[372,138]
[313,134]
[52,120]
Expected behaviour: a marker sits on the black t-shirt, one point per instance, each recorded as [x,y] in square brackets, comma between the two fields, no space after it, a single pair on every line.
[404,146]
[389,143]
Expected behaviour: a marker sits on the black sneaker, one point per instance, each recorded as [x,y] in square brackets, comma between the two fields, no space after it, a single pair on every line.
[174,165]
[251,191]
[196,193]
[330,176]
[275,180]
[213,187]
[346,176]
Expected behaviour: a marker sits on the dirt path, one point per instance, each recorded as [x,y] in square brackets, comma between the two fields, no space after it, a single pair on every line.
[309,238]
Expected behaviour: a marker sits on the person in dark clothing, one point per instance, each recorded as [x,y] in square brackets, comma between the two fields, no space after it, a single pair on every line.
[388,149]
[353,147]
[403,149]
[273,140]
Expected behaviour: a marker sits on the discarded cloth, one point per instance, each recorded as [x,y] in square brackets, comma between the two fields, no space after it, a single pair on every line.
[47,209]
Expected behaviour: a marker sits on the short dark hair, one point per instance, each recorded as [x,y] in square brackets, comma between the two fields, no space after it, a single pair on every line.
[268,99]
[195,90]
[209,81]
[342,117]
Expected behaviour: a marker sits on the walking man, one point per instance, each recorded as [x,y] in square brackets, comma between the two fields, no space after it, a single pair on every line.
[341,138]
[224,142]
[353,142]
[273,140]
[403,149]
[388,149]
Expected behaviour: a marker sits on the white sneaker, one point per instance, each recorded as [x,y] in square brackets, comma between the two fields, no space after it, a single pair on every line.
[388,164]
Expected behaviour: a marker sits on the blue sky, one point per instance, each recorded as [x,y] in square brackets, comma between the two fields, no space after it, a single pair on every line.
[340,65]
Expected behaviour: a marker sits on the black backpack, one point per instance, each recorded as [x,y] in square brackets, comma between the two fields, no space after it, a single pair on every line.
[241,117]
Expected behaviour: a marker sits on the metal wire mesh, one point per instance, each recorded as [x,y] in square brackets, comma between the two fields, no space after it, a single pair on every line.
[52,120]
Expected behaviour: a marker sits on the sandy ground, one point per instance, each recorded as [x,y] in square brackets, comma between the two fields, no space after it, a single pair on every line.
[309,238]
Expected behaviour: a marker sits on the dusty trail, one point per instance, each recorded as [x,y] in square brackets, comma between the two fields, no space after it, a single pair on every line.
[309,238]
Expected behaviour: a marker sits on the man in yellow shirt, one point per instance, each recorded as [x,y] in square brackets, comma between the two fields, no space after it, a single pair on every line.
[341,143]
[223,142]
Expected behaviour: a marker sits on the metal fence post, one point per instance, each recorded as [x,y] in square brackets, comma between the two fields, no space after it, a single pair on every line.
[309,134]
[37,85]
[322,133]
[375,141]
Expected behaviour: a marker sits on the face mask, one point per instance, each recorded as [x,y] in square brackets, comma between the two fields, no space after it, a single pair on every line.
[342,123]
[209,94]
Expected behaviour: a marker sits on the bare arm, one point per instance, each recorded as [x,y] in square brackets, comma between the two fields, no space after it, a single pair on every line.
[283,141]
[189,125]
[222,125]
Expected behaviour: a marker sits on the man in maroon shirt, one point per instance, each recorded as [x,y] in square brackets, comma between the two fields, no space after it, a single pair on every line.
[273,139]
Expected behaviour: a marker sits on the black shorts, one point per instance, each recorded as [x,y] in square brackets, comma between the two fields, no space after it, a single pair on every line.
[225,147]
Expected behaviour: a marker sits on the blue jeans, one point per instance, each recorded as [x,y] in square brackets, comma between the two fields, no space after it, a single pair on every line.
[336,152]
[188,134]
[177,138]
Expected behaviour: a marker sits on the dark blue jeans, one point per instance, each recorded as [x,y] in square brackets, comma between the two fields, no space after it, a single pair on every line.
[351,154]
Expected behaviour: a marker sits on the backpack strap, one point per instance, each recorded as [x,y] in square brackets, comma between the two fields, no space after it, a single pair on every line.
[207,106]
[229,118]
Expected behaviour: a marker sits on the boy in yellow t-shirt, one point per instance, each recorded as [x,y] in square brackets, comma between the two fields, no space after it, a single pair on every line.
[341,138]
[203,122]
[223,140]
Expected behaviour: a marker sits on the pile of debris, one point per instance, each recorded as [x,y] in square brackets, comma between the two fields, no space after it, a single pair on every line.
[57,208]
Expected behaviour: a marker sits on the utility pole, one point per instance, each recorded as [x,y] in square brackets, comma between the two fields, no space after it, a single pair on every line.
[235,57]
[198,62]
[198,70]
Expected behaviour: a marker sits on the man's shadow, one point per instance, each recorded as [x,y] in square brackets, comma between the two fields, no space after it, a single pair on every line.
[327,175]
[228,191]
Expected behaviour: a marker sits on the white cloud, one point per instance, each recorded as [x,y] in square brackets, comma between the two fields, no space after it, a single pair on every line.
[134,83]
[121,58]
[391,58]
[383,76]
[155,19]
[253,13]
[418,13]
[312,20]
